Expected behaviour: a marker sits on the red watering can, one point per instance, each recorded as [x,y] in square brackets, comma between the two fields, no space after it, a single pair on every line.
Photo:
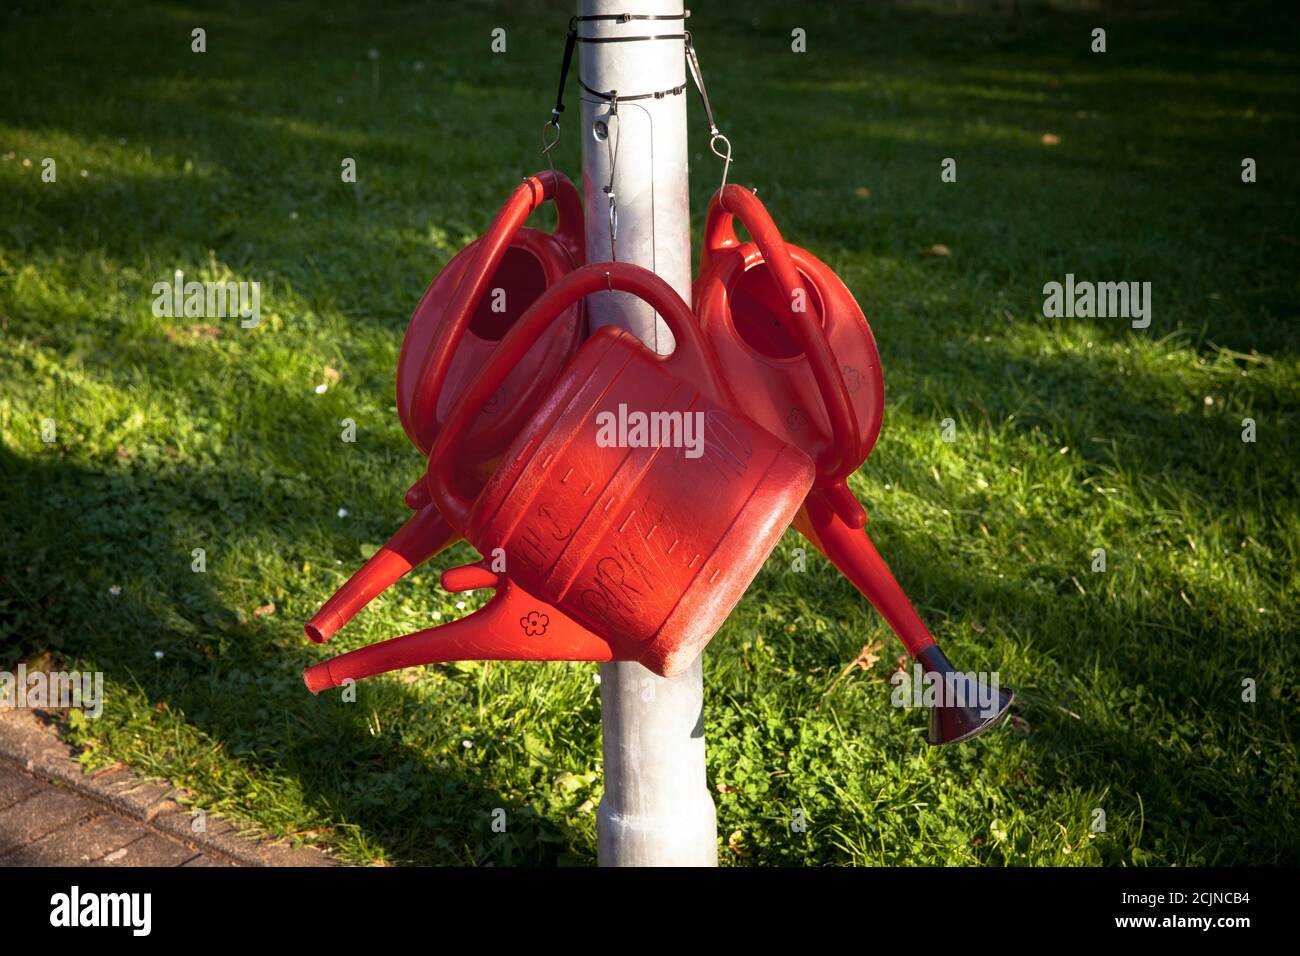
[743,315]
[616,549]
[482,291]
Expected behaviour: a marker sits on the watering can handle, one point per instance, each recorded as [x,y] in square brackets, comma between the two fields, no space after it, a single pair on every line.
[836,461]
[570,221]
[597,277]
[488,253]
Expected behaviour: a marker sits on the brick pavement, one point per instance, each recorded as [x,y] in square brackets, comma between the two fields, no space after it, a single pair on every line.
[52,813]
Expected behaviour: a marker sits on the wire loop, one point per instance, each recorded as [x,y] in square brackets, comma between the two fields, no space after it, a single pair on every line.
[548,143]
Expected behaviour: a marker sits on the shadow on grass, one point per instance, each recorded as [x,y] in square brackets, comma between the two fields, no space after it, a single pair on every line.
[73,534]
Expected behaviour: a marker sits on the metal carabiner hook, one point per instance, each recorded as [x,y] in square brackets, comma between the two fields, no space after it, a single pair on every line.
[548,143]
[726,162]
[613,135]
[613,227]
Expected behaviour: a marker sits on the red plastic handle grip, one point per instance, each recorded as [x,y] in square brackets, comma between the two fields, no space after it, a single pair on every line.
[487,258]
[597,277]
[570,224]
[837,459]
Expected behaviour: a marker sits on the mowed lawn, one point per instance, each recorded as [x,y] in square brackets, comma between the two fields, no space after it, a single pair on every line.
[1070,435]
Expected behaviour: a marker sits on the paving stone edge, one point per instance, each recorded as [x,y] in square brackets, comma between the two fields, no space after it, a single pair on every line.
[34,746]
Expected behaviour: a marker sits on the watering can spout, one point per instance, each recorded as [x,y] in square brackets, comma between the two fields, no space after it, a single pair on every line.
[424,535]
[979,705]
[514,625]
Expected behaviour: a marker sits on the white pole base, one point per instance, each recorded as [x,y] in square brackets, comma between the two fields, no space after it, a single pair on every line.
[657,810]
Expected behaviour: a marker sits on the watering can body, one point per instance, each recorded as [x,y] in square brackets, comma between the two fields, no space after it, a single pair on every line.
[481,291]
[744,316]
[645,545]
[484,289]
[614,550]
[618,551]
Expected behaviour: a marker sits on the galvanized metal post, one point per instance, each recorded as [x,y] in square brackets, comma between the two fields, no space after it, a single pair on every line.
[657,809]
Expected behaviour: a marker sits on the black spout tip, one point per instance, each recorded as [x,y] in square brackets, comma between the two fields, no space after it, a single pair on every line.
[971,712]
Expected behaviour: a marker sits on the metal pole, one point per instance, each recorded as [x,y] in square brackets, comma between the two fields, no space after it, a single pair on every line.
[657,809]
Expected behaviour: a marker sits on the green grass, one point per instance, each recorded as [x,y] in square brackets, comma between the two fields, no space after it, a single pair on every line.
[1071,434]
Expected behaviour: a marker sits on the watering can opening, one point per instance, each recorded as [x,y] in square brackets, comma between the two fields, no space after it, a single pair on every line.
[517,283]
[757,306]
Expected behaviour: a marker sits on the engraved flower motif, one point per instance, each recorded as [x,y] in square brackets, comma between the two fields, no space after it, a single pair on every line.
[534,623]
